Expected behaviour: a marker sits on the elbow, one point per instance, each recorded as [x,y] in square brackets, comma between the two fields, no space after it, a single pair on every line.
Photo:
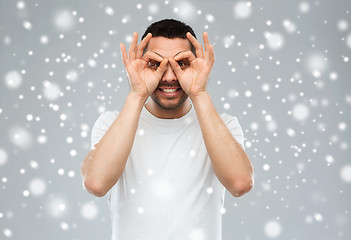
[90,184]
[241,187]
[94,188]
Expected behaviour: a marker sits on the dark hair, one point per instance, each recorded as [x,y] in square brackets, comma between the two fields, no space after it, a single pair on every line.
[170,28]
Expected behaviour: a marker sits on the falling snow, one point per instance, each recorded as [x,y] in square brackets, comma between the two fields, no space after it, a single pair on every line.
[89,211]
[282,68]
[272,229]
[13,79]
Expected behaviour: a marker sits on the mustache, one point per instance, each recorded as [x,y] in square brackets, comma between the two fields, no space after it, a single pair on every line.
[169,85]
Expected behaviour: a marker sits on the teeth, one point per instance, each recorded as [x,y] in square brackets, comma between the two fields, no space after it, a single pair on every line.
[169,90]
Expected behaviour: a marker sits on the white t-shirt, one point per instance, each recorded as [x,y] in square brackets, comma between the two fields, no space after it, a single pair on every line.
[168,190]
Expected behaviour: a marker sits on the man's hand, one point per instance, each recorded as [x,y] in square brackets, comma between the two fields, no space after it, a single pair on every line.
[193,72]
[143,75]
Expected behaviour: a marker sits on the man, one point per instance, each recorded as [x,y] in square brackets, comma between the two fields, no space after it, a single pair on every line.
[165,164]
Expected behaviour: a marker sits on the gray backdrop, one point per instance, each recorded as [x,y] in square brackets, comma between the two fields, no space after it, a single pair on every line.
[282,67]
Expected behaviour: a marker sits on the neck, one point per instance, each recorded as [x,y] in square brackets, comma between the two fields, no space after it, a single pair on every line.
[159,112]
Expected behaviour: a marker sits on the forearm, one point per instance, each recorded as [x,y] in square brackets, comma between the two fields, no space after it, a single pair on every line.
[230,162]
[104,165]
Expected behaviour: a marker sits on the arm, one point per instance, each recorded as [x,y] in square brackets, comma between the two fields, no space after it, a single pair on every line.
[104,165]
[230,162]
[106,162]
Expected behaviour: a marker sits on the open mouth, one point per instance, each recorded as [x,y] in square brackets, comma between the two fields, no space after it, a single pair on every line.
[169,90]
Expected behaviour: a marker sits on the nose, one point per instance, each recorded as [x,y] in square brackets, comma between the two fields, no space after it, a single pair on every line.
[169,75]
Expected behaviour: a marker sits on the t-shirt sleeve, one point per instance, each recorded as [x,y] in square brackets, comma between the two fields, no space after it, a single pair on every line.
[235,129]
[101,125]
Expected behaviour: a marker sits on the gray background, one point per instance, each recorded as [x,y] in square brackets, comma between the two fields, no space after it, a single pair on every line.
[61,68]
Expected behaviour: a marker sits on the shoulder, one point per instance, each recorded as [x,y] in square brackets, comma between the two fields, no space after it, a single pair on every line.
[228,118]
[107,117]
[110,114]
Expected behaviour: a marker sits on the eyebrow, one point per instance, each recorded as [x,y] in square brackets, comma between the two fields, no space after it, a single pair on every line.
[173,56]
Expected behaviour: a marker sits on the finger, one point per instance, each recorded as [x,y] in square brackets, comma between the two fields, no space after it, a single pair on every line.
[185,55]
[175,67]
[151,56]
[142,45]
[206,44]
[132,47]
[124,53]
[196,44]
[211,54]
[162,68]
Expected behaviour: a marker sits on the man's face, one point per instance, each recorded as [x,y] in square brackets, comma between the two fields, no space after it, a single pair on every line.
[168,94]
